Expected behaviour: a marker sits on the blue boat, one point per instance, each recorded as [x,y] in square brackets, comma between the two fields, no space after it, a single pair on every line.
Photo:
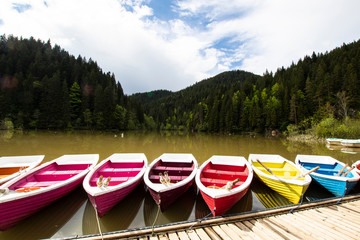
[335,176]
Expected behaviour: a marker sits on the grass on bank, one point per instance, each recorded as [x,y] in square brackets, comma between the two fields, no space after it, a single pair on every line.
[326,128]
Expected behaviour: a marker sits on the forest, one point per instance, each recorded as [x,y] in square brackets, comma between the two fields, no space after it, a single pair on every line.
[44,87]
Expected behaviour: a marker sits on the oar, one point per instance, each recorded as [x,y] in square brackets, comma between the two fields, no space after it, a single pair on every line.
[341,171]
[230,184]
[308,172]
[348,171]
[266,168]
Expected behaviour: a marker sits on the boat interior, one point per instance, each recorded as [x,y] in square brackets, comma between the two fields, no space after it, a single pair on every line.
[50,175]
[283,169]
[119,172]
[176,171]
[218,175]
[6,171]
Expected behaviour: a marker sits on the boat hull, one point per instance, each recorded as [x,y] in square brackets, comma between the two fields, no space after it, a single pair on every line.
[328,173]
[107,201]
[336,187]
[280,175]
[166,198]
[223,181]
[219,206]
[15,211]
[180,170]
[290,191]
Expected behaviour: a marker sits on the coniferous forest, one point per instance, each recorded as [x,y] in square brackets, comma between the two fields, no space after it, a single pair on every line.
[44,87]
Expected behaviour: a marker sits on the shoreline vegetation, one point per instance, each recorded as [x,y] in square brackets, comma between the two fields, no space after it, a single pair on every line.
[43,87]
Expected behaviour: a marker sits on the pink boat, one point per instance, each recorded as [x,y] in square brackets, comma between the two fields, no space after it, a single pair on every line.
[169,176]
[113,179]
[223,181]
[30,192]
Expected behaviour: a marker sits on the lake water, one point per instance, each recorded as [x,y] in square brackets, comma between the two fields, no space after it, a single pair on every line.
[74,215]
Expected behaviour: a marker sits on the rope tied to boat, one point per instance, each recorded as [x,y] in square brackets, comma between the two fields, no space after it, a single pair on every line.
[200,220]
[157,215]
[97,220]
[301,200]
[4,191]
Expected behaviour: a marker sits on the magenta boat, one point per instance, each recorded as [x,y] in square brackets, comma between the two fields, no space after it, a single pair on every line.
[169,176]
[30,192]
[113,179]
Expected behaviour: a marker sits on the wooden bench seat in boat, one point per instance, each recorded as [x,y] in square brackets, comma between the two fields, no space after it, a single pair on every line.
[173,179]
[214,181]
[56,175]
[185,170]
[115,170]
[214,173]
[38,184]
[114,180]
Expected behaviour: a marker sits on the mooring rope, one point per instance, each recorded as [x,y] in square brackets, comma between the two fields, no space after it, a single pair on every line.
[200,220]
[157,215]
[301,200]
[98,222]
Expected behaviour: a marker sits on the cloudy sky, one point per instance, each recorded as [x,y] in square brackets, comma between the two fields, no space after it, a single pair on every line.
[172,44]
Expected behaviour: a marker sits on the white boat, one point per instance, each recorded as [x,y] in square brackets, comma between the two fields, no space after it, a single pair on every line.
[13,166]
[351,142]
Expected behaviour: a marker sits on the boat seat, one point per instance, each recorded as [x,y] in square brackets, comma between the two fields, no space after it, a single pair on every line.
[121,170]
[173,169]
[38,184]
[156,178]
[330,172]
[226,174]
[56,175]
[219,182]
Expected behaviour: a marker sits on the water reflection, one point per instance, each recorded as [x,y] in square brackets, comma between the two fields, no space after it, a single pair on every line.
[118,218]
[49,220]
[140,210]
[179,211]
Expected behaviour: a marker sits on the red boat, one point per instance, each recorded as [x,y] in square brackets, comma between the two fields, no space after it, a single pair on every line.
[223,181]
[113,179]
[169,176]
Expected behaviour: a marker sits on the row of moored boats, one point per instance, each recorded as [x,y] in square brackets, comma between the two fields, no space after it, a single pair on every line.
[27,185]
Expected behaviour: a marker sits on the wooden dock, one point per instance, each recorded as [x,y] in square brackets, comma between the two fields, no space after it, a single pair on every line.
[317,220]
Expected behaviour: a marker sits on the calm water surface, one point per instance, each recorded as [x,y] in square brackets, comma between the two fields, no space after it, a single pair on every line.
[74,215]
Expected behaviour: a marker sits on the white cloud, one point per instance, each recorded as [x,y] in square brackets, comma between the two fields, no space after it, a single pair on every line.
[146,53]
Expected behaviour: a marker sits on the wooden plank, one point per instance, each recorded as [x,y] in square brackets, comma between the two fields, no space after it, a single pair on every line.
[153,237]
[340,218]
[271,234]
[229,231]
[173,236]
[305,227]
[255,229]
[244,228]
[318,221]
[182,235]
[290,227]
[340,226]
[220,232]
[202,234]
[311,225]
[278,230]
[211,233]
[192,235]
[239,232]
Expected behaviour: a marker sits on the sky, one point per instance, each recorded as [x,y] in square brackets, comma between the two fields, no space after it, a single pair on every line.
[172,44]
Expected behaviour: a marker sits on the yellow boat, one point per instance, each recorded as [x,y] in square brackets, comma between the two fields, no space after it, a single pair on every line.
[281,175]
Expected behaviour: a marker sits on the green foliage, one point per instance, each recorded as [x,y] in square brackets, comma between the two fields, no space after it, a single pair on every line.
[45,87]
[331,127]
